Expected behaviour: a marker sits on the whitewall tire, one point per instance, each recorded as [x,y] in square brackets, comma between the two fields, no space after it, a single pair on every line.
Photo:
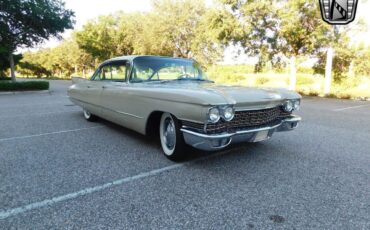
[89,116]
[171,137]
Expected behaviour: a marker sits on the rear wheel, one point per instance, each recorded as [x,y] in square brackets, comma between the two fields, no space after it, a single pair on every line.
[89,116]
[171,137]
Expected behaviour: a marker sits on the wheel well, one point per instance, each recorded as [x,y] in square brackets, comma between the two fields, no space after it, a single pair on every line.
[152,125]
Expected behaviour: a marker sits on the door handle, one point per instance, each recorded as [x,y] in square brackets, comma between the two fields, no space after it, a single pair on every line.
[88,86]
[104,87]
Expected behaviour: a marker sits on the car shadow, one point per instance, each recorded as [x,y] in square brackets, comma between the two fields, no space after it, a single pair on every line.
[192,154]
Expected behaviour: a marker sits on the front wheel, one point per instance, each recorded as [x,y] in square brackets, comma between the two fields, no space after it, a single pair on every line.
[89,116]
[171,137]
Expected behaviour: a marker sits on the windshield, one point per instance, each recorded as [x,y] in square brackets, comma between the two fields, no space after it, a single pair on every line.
[165,69]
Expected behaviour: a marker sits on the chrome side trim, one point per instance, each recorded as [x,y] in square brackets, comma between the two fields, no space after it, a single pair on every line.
[116,111]
[128,114]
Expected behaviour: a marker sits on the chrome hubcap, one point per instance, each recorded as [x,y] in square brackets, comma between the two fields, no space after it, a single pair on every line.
[87,114]
[169,134]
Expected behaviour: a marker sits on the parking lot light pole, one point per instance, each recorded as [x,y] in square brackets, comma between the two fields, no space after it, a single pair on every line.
[328,67]
[292,79]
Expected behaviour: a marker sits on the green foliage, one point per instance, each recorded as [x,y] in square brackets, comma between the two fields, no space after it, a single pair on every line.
[275,30]
[5,78]
[256,24]
[262,80]
[301,28]
[361,61]
[307,83]
[271,30]
[23,85]
[229,73]
[105,37]
[29,22]
[174,28]
[305,80]
[31,69]
[4,62]
[62,61]
[343,56]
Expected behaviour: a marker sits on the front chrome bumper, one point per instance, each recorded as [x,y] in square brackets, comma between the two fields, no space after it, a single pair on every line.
[212,142]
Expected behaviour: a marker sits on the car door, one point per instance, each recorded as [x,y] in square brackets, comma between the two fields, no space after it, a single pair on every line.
[93,90]
[114,97]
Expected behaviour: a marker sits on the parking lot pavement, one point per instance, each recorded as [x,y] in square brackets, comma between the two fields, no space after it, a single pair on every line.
[59,171]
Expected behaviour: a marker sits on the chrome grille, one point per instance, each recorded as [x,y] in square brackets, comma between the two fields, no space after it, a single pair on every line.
[248,119]
[193,125]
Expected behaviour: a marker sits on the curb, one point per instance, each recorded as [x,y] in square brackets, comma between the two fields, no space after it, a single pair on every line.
[337,98]
[26,92]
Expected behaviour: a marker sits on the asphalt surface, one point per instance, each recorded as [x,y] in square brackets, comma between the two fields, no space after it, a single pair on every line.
[59,171]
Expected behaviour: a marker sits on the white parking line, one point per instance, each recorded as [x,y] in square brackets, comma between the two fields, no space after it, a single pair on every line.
[51,133]
[89,190]
[351,107]
[82,192]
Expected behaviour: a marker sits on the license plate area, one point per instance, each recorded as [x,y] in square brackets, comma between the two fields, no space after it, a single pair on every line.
[261,136]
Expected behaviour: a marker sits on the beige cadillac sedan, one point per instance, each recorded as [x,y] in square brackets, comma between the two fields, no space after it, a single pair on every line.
[172,98]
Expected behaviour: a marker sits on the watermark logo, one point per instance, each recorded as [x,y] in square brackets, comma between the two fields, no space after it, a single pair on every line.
[338,12]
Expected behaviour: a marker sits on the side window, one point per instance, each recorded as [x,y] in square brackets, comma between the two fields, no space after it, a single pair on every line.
[105,73]
[118,72]
[112,72]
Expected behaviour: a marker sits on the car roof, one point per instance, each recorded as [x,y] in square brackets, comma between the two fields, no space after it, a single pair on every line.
[132,57]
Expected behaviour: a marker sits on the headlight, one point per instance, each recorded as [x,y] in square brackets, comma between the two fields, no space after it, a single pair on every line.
[214,115]
[288,106]
[228,113]
[296,104]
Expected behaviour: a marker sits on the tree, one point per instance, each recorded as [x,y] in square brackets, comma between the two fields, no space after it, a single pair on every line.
[274,30]
[345,54]
[175,25]
[24,23]
[361,61]
[180,28]
[32,69]
[256,28]
[174,28]
[212,36]
[302,32]
[64,60]
[4,61]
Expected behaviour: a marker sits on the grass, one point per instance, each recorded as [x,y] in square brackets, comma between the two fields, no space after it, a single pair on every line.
[308,84]
[23,85]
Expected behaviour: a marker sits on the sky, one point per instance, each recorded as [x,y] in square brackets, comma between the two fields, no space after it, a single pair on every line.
[86,10]
[90,9]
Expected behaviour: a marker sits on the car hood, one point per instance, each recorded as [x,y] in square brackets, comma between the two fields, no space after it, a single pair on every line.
[208,93]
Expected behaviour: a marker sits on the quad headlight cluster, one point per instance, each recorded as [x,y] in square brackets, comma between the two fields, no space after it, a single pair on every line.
[291,105]
[224,112]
